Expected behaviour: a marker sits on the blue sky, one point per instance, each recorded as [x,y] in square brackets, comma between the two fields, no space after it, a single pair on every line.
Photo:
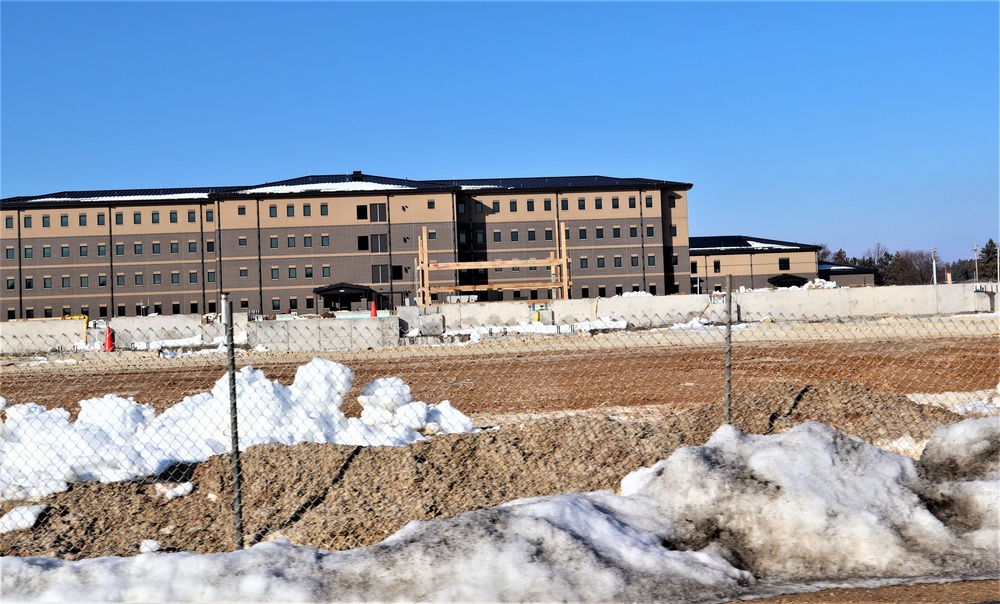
[839,123]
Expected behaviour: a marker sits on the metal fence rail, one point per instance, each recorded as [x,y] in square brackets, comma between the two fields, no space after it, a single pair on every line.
[112,452]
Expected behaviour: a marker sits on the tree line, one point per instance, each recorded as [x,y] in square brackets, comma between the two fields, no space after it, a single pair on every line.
[910,267]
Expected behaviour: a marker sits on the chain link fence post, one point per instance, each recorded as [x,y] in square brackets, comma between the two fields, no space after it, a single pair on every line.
[729,346]
[227,313]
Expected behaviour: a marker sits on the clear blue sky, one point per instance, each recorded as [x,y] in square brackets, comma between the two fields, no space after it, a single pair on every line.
[837,123]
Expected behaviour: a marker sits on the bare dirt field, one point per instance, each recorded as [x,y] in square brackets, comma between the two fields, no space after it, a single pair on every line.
[558,419]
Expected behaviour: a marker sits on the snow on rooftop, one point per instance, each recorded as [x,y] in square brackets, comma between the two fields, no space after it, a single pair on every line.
[126,198]
[327,187]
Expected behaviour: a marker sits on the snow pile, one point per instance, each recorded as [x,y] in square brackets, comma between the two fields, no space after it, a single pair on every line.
[115,438]
[741,516]
[476,334]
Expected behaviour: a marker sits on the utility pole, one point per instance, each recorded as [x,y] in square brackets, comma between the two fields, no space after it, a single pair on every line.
[934,265]
[975,262]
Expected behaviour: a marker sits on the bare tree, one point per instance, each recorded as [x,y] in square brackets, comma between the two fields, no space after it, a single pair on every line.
[911,268]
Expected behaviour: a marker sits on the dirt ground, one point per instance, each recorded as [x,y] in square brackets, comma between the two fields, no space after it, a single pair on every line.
[555,421]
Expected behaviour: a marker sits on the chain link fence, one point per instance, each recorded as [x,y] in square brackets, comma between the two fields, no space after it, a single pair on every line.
[113,452]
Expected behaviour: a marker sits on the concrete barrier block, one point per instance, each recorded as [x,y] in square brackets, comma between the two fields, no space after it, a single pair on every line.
[431,325]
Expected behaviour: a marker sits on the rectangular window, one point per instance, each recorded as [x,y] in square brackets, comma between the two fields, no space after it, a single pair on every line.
[716,266]
[784,264]
[599,232]
[275,274]
[581,203]
[614,203]
[631,203]
[193,246]
[460,207]
[362,212]
[244,272]
[156,248]
[138,278]
[83,219]
[600,262]
[10,284]
[157,277]
[380,273]
[513,235]
[649,231]
[274,243]
[275,304]
[432,235]
[272,211]
[46,222]
[242,242]
[210,276]
[10,253]
[9,222]
[241,210]
[324,209]
[307,209]
[363,243]
[102,281]
[675,260]
[548,234]
[618,261]
[694,267]
[326,271]
[192,216]
[292,273]
[649,201]
[583,233]
[174,247]
[379,243]
[378,212]
[290,210]
[83,250]
[27,252]
[309,272]
[120,280]
[635,261]
[397,272]
[27,222]
[673,230]
[209,215]
[192,277]
[64,219]
[633,231]
[513,205]
[672,201]
[430,204]
[616,232]
[307,241]
[137,218]
[291,241]
[547,205]
[154,217]
[173,216]
[531,205]
[583,263]
[46,283]
[64,251]
[29,283]
[651,260]
[531,234]
[47,251]
[324,240]
[496,207]
[585,292]
[496,237]
[119,218]
[137,249]
[480,236]
[175,277]
[564,204]
[598,203]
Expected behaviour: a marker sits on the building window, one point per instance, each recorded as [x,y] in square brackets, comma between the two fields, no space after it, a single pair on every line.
[651,260]
[583,233]
[672,201]
[513,205]
[102,281]
[496,237]
[244,273]
[324,240]
[600,262]
[138,278]
[157,277]
[10,253]
[210,276]
[27,222]
[291,241]
[119,218]
[29,283]
[241,210]
[784,264]
[193,246]
[244,303]
[717,266]
[275,274]
[673,230]
[47,251]
[274,243]
[581,203]
[137,218]
[154,218]
[513,236]
[378,212]
[564,204]
[175,277]
[430,204]
[156,248]
[192,216]
[307,241]
[635,260]
[307,209]
[275,304]
[631,203]
[583,263]
[272,211]
[209,215]
[379,243]
[531,234]
[192,277]
[10,284]
[694,267]
[27,252]
[326,271]
[292,272]
[618,261]
[480,236]
[598,203]
[137,249]
[548,234]
[530,205]
[675,260]
[432,235]
[633,231]
[362,212]
[380,273]
[64,219]
[290,210]
[9,222]
[324,209]
[174,247]
[649,231]
[649,201]
[64,251]
[242,242]
[83,250]
[460,207]
[397,272]
[309,272]
[120,280]
[46,283]
[173,217]
[547,205]
[47,223]
[496,207]
[614,204]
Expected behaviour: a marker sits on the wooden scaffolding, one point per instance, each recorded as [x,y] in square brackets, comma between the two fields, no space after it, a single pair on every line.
[557,263]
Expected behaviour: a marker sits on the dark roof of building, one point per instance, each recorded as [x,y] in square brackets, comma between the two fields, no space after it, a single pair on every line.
[340,183]
[566,183]
[836,268]
[741,244]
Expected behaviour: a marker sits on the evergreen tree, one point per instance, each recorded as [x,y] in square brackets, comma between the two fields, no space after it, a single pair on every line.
[988,262]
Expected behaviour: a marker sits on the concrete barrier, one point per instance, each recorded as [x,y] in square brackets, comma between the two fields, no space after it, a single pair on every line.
[41,335]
